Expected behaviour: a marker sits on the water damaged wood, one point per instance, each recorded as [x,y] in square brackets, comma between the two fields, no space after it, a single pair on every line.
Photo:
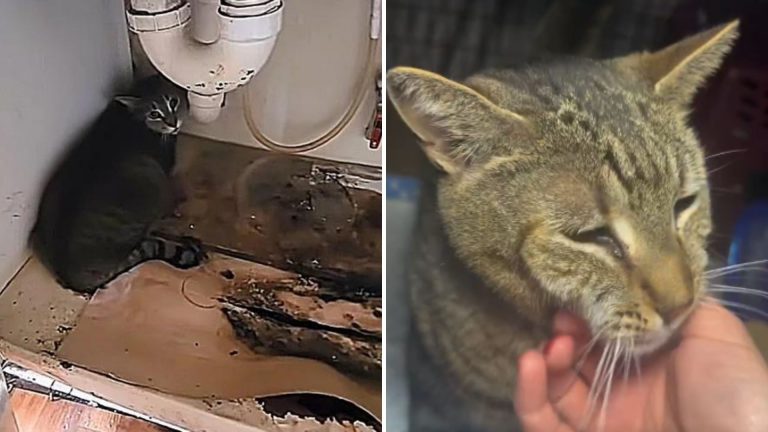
[295,214]
[288,317]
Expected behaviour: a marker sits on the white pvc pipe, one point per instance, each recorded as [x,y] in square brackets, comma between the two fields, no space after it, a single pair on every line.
[205,109]
[155,6]
[241,46]
[205,20]
[205,69]
[376,19]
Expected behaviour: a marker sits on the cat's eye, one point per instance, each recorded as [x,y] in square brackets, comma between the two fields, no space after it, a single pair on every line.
[601,236]
[155,115]
[684,204]
[173,102]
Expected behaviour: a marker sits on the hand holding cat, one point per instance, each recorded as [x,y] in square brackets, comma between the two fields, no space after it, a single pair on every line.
[715,379]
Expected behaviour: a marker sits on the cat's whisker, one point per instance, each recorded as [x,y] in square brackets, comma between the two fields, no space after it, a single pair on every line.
[749,270]
[728,286]
[721,270]
[752,273]
[608,383]
[718,288]
[736,305]
[603,384]
[598,372]
[723,166]
[722,191]
[723,153]
[586,350]
[627,358]
[762,261]
[584,355]
[604,375]
[595,386]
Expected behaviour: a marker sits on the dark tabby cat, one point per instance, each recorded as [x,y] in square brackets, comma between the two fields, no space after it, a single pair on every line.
[575,184]
[95,212]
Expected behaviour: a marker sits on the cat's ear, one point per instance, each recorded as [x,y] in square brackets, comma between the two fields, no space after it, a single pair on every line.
[677,71]
[455,123]
[130,102]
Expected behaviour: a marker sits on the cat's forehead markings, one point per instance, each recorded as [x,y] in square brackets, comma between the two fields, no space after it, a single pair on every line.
[498,161]
[471,177]
[168,103]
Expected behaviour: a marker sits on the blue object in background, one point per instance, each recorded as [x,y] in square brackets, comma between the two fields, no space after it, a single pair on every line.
[402,210]
[403,188]
[749,243]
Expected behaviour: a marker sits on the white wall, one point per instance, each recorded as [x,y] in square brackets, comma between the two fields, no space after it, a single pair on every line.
[308,82]
[59,61]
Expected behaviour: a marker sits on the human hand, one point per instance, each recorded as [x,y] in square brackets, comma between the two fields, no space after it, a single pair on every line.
[715,380]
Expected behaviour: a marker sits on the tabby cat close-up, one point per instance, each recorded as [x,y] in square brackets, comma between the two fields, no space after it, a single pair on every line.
[572,184]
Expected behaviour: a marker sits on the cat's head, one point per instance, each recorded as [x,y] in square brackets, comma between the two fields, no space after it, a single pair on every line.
[577,184]
[160,105]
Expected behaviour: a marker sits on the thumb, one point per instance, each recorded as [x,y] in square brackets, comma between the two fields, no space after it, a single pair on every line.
[711,320]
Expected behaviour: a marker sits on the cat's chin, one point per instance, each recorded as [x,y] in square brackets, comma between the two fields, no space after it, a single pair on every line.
[651,342]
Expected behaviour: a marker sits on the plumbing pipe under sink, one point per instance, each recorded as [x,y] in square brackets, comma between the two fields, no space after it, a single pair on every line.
[373,130]
[205,21]
[206,47]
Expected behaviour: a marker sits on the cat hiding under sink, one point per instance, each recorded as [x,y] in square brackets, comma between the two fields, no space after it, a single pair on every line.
[97,208]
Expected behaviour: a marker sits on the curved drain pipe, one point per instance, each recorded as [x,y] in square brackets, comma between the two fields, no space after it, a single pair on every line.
[206,47]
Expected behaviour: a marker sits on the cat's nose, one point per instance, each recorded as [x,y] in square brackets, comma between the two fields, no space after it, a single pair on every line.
[668,281]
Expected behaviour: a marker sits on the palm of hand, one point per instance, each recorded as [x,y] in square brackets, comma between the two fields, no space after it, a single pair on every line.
[714,380]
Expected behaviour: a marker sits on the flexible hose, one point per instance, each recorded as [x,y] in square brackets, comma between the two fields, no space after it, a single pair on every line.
[358,98]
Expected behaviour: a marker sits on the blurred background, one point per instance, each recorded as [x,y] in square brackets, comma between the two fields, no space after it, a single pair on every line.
[459,37]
